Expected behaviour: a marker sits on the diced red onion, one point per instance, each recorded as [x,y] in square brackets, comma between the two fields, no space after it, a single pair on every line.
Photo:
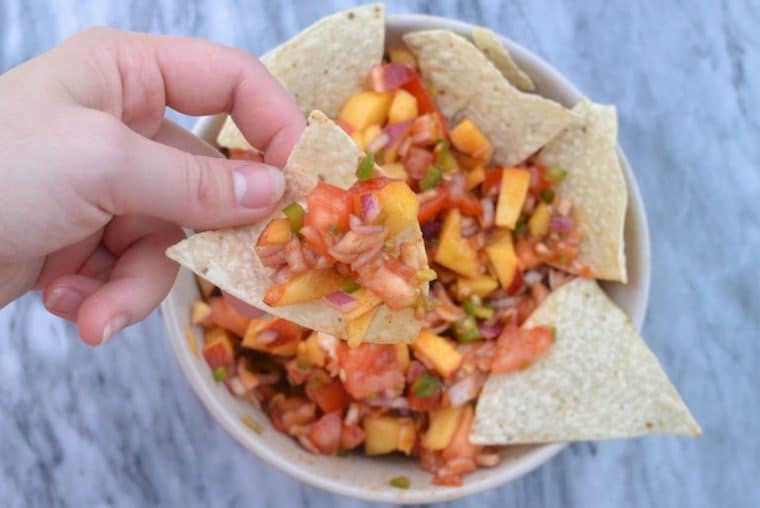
[369,229]
[464,390]
[531,277]
[370,207]
[457,186]
[390,76]
[561,224]
[354,221]
[341,301]
[431,229]
[486,220]
[490,330]
[266,337]
[394,403]
[396,131]
[281,275]
[378,143]
[367,256]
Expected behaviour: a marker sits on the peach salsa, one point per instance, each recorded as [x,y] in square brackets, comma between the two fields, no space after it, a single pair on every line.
[500,239]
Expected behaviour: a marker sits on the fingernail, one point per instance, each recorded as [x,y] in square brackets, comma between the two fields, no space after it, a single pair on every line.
[258,186]
[63,301]
[113,326]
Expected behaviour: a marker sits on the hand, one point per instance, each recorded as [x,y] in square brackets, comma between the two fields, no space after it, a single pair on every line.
[97,183]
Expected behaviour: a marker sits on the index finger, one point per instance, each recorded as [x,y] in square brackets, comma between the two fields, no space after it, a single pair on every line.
[145,73]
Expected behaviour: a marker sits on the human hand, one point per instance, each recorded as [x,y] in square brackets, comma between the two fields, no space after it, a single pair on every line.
[98,182]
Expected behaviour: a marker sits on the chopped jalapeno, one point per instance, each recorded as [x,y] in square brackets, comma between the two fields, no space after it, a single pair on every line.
[366,168]
[444,159]
[522,225]
[220,374]
[466,330]
[474,307]
[556,174]
[295,214]
[426,385]
[351,287]
[547,196]
[400,482]
[431,179]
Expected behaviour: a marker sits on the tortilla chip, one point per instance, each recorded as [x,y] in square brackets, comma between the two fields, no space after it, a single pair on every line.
[597,381]
[468,85]
[227,257]
[490,44]
[596,186]
[325,64]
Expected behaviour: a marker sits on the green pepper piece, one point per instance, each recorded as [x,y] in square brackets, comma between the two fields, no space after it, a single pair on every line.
[426,385]
[556,175]
[400,482]
[521,226]
[547,196]
[466,330]
[444,159]
[351,287]
[366,168]
[431,179]
[220,374]
[295,214]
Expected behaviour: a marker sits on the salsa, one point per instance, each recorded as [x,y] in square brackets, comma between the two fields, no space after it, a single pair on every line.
[499,240]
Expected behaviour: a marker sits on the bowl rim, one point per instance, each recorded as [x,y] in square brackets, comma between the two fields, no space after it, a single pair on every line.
[520,467]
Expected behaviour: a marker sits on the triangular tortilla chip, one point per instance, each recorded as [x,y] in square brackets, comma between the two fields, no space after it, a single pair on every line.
[468,85]
[596,186]
[597,381]
[325,64]
[491,46]
[227,258]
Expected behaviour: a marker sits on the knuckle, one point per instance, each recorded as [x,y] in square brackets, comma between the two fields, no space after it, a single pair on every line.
[206,187]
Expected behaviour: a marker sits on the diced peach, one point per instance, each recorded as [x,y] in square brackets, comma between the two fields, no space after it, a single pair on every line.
[402,356]
[467,138]
[310,353]
[370,133]
[366,108]
[367,301]
[218,352]
[466,162]
[455,252]
[403,56]
[277,232]
[443,425]
[538,225]
[394,170]
[305,287]
[407,435]
[501,252]
[400,206]
[201,314]
[358,138]
[440,352]
[475,177]
[512,193]
[482,286]
[225,316]
[403,107]
[285,343]
[386,434]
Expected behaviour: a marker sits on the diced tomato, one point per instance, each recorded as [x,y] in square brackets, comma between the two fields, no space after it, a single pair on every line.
[370,369]
[287,331]
[325,433]
[525,308]
[416,87]
[328,394]
[351,436]
[329,207]
[222,314]
[460,445]
[387,77]
[430,460]
[286,411]
[538,179]
[431,208]
[244,155]
[450,480]
[516,284]
[492,180]
[399,268]
[420,403]
[360,188]
[468,205]
[518,348]
[526,254]
[427,129]
[417,161]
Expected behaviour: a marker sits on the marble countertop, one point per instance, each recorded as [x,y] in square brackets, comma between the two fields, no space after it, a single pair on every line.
[119,426]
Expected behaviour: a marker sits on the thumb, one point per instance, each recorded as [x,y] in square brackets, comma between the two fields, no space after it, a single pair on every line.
[201,192]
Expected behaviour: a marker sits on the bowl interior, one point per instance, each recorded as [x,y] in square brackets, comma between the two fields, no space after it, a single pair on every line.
[363,477]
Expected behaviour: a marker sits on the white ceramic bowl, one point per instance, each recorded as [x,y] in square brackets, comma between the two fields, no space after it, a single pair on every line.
[363,477]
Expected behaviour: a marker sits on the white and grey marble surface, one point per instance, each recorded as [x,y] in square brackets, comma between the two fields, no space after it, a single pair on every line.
[119,426]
